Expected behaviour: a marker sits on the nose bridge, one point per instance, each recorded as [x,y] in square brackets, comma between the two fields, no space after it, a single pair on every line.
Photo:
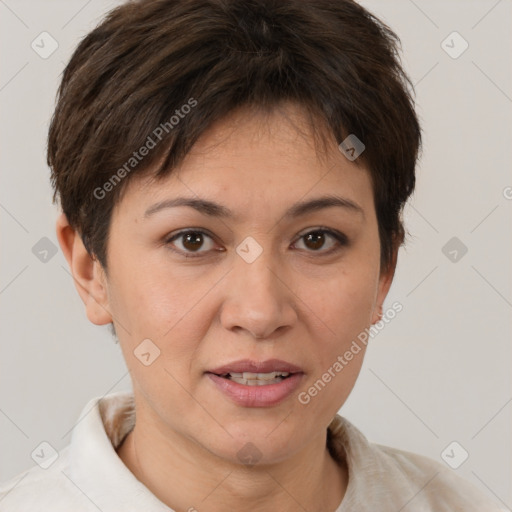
[255,267]
[261,276]
[258,301]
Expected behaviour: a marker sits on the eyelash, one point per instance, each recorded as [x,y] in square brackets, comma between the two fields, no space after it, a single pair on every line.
[338,236]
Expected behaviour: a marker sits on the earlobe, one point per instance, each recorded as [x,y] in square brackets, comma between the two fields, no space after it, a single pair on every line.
[88,275]
[385,280]
[377,314]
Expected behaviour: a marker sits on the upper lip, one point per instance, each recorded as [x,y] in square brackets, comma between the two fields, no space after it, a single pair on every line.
[249,365]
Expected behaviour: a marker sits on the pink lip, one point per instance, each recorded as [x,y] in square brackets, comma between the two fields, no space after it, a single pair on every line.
[248,365]
[257,396]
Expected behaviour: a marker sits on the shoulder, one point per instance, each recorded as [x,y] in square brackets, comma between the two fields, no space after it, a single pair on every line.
[435,485]
[386,478]
[85,473]
[38,490]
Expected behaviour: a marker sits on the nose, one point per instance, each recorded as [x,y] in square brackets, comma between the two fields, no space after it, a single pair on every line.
[258,298]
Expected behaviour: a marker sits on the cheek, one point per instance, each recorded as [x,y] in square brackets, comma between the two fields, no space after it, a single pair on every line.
[344,307]
[170,311]
[165,330]
[149,299]
[344,302]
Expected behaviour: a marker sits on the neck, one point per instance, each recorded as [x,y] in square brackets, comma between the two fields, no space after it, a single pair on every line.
[187,478]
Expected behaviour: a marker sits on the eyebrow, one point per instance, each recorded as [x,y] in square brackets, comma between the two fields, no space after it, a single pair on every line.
[213,209]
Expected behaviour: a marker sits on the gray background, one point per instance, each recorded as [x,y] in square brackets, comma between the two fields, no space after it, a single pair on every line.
[439,372]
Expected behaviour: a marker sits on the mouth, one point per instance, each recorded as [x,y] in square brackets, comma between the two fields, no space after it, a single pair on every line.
[257,383]
[257,373]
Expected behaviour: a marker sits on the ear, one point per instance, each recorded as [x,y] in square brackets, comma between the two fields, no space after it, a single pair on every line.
[385,280]
[88,274]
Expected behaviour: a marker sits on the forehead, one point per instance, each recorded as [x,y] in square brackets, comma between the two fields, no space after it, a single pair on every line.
[252,158]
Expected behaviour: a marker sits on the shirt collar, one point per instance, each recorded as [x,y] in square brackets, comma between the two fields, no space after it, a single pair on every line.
[97,470]
[95,467]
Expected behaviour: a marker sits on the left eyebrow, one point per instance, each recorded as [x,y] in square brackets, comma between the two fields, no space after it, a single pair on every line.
[320,203]
[213,209]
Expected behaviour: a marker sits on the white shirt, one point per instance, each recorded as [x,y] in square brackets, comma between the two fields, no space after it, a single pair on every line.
[89,476]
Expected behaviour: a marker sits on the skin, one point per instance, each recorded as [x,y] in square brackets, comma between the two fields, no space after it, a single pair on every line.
[295,302]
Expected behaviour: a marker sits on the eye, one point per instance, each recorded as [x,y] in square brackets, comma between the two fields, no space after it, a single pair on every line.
[192,241]
[316,239]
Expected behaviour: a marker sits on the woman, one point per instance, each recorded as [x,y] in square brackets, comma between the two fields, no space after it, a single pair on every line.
[232,176]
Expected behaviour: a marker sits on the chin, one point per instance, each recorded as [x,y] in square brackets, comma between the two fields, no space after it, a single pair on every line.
[265,441]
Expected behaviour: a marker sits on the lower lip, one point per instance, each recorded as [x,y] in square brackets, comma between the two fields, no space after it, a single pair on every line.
[257,396]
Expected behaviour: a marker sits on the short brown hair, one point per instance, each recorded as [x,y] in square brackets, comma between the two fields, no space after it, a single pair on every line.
[148,59]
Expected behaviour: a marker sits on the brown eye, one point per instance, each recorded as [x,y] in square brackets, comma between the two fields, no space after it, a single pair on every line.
[315,240]
[319,238]
[191,242]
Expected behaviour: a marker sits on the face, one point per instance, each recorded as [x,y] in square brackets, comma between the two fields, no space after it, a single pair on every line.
[207,289]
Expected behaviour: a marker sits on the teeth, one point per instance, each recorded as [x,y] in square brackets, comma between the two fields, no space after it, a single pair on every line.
[256,382]
[257,379]
[260,376]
